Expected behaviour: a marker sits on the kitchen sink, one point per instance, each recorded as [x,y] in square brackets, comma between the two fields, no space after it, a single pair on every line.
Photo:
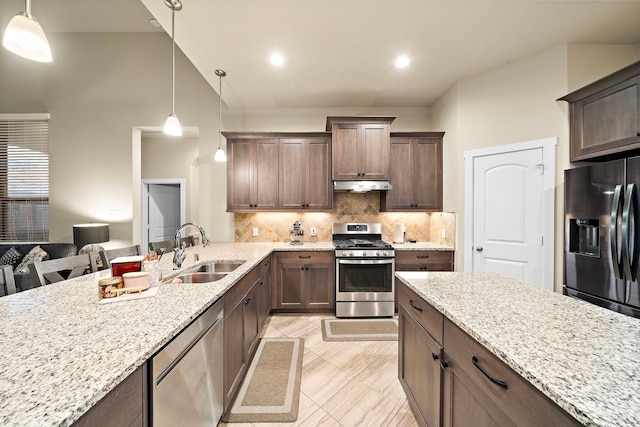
[201,277]
[220,267]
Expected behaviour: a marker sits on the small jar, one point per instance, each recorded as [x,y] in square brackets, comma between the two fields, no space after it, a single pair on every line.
[107,288]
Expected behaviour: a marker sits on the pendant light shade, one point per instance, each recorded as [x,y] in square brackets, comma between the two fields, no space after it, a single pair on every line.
[172,124]
[220,155]
[24,37]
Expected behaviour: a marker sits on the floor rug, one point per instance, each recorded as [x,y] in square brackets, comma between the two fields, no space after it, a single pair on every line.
[270,391]
[360,329]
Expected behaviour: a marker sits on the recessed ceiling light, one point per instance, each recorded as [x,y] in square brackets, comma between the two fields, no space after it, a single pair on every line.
[277,60]
[402,61]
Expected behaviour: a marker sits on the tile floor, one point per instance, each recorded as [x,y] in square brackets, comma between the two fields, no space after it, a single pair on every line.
[343,383]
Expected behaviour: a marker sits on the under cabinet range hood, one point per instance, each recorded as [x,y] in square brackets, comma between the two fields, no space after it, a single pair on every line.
[361,186]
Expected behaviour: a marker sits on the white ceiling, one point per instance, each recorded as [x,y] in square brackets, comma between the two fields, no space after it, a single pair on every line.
[340,53]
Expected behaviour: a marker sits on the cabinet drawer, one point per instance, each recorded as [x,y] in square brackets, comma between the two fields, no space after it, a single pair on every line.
[521,401]
[427,316]
[422,257]
[306,257]
[234,295]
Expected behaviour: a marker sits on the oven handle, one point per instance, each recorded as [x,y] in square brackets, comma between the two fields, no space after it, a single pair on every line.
[366,261]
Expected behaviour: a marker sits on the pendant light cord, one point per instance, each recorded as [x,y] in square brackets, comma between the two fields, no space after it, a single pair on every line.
[173,60]
[220,114]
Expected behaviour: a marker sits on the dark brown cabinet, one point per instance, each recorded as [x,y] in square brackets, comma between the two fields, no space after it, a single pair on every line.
[125,405]
[240,331]
[252,174]
[452,380]
[263,286]
[415,172]
[419,368]
[360,147]
[604,116]
[304,281]
[305,178]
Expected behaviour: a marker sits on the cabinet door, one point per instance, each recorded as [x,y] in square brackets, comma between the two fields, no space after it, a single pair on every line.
[290,285]
[293,174]
[250,321]
[320,286]
[318,181]
[419,369]
[606,122]
[264,298]
[234,360]
[401,176]
[239,175]
[265,183]
[373,153]
[345,151]
[427,174]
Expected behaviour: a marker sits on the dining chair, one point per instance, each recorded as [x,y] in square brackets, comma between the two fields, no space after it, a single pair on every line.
[7,282]
[45,272]
[162,246]
[107,255]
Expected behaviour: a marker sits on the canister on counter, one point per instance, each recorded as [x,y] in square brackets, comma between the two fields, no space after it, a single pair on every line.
[107,288]
[126,264]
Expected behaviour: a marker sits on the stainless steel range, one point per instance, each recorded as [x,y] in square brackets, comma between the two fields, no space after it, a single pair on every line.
[365,266]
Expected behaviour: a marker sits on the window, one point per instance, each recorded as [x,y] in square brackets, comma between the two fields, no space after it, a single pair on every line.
[24,177]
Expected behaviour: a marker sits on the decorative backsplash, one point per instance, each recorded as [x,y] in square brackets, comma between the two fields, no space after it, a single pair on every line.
[347,207]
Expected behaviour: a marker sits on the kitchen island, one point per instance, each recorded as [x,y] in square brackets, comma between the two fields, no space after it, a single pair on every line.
[584,358]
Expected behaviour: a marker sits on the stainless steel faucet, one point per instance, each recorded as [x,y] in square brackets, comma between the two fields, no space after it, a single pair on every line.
[178,253]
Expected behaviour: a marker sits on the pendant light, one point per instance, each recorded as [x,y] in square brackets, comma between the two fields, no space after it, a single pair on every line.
[220,154]
[172,125]
[24,36]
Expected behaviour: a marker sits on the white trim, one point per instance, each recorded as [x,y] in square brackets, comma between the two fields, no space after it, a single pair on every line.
[145,205]
[548,184]
[24,116]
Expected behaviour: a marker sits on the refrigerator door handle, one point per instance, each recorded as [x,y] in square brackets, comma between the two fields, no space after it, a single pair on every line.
[613,233]
[629,250]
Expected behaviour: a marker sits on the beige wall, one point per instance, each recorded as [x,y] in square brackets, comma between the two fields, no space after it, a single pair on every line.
[99,88]
[516,103]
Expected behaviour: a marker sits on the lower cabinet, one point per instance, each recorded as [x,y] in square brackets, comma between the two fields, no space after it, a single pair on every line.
[461,383]
[422,261]
[246,306]
[125,405]
[304,281]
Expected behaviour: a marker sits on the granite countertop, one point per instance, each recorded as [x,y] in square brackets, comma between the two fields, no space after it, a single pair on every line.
[61,351]
[422,246]
[583,357]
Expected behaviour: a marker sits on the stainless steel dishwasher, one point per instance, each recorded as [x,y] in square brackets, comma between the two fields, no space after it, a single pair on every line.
[187,387]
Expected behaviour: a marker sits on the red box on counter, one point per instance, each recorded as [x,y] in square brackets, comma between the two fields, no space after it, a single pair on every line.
[126,264]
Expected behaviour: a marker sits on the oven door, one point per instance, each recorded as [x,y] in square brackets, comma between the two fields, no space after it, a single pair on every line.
[365,279]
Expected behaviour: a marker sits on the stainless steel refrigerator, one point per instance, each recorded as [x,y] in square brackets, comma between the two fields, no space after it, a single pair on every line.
[601,230]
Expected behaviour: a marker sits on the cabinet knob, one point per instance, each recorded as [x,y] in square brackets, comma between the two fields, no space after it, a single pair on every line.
[247,301]
[435,356]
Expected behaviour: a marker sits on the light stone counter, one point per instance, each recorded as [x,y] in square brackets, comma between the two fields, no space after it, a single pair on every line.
[583,357]
[61,351]
[422,246]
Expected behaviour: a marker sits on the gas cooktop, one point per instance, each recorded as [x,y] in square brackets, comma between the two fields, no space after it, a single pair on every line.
[361,243]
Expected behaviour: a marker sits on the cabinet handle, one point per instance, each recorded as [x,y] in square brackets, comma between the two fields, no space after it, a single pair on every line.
[435,356]
[493,380]
[247,301]
[304,256]
[423,256]
[414,305]
[443,364]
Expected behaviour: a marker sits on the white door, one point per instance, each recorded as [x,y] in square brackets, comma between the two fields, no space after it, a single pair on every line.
[164,211]
[512,212]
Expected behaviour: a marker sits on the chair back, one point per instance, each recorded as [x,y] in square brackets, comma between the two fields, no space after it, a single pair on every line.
[45,272]
[162,246]
[187,241]
[7,282]
[107,255]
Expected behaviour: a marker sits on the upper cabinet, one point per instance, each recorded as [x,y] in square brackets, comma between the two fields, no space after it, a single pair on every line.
[305,182]
[361,147]
[415,172]
[605,115]
[271,171]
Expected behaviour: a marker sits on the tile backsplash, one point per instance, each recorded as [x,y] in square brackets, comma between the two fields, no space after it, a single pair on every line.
[347,207]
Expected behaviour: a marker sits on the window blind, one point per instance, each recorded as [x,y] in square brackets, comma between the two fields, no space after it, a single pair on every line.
[24,178]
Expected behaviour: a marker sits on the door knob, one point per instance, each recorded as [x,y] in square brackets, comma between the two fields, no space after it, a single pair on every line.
[479,248]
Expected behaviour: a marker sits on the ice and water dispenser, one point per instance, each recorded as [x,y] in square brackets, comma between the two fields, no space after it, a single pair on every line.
[584,236]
